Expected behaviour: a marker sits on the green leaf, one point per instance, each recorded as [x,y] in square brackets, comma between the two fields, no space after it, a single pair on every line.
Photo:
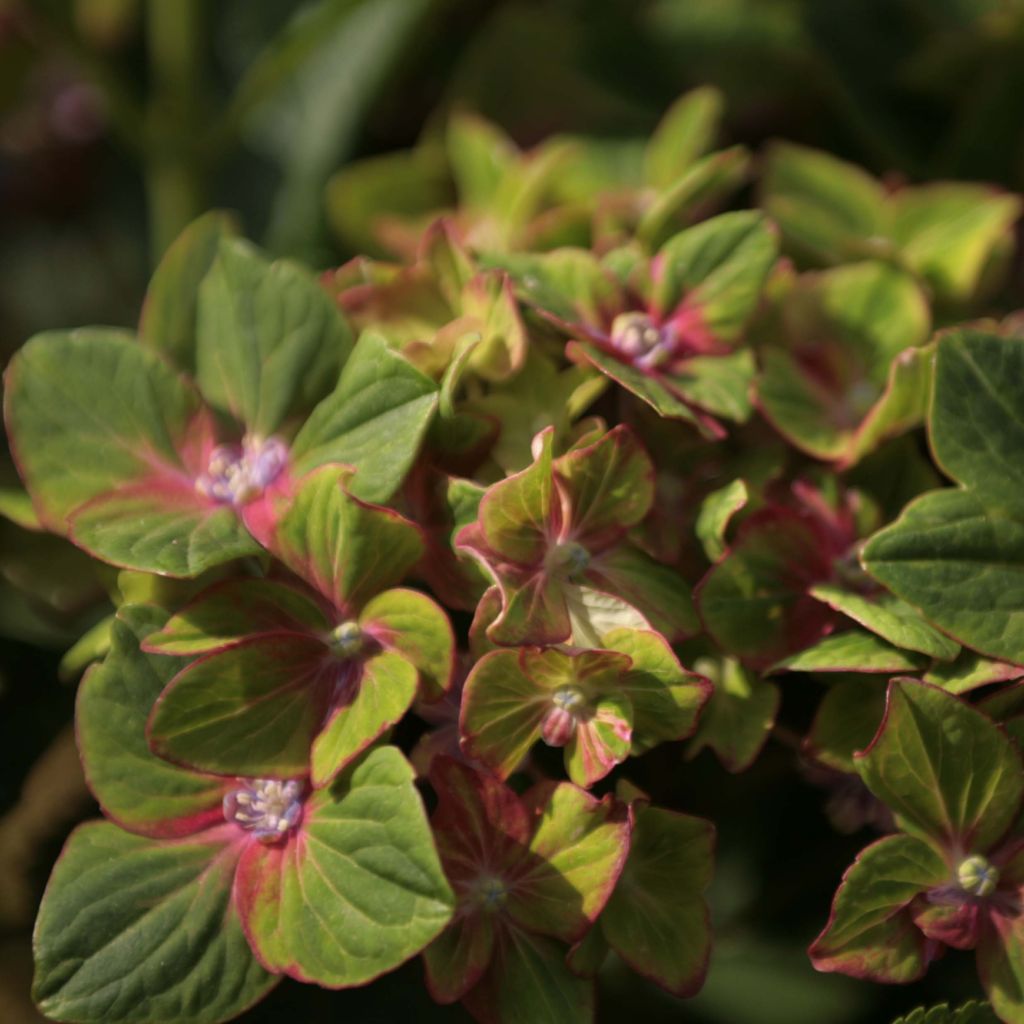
[133,786]
[234,610]
[110,943]
[657,919]
[977,421]
[969,670]
[716,512]
[946,770]
[361,893]
[381,695]
[169,310]
[270,341]
[892,619]
[347,549]
[852,650]
[738,717]
[870,933]
[251,709]
[948,232]
[686,131]
[375,420]
[481,156]
[88,411]
[824,206]
[1000,959]
[601,740]
[969,1013]
[16,507]
[846,721]
[666,699]
[718,267]
[417,628]
[958,556]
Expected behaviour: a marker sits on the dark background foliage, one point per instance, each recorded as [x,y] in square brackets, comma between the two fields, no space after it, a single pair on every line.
[120,120]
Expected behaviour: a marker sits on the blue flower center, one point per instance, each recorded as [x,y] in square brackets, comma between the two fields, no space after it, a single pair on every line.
[236,474]
[269,808]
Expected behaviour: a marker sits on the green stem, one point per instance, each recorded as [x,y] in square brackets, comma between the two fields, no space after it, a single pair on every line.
[175,170]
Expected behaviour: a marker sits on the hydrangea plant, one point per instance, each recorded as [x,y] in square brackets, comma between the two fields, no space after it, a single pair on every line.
[586,462]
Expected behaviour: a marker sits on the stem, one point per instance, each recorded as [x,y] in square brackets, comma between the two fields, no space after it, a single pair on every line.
[175,171]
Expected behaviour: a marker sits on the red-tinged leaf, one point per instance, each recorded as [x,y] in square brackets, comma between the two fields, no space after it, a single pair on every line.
[503,710]
[657,919]
[953,924]
[347,549]
[534,610]
[380,692]
[135,788]
[417,628]
[755,602]
[357,891]
[666,698]
[871,933]
[946,770]
[1001,948]
[657,591]
[577,850]
[143,931]
[479,823]
[605,487]
[519,516]
[229,612]
[530,983]
[456,960]
[163,525]
[90,411]
[647,386]
[601,741]
[252,709]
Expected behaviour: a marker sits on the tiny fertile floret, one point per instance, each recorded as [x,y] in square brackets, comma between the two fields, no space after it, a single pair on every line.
[236,474]
[268,808]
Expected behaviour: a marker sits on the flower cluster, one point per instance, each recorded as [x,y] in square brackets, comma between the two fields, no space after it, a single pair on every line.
[591,464]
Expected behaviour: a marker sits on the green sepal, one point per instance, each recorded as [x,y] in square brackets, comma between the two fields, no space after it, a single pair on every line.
[418,629]
[348,549]
[666,699]
[846,722]
[737,719]
[229,612]
[946,770]
[135,788]
[381,694]
[361,893]
[870,933]
[374,420]
[657,919]
[719,268]
[716,512]
[110,944]
[270,342]
[169,310]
